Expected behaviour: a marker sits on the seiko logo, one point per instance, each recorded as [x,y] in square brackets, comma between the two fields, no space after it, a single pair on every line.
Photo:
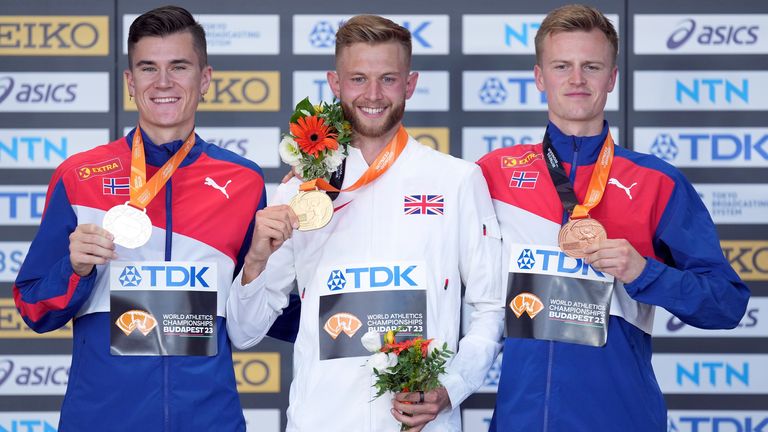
[54,35]
[749,258]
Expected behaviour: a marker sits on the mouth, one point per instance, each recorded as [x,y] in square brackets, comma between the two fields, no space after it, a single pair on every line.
[165,100]
[372,111]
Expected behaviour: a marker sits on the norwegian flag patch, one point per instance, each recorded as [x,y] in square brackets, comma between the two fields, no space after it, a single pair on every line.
[115,186]
[423,205]
[524,179]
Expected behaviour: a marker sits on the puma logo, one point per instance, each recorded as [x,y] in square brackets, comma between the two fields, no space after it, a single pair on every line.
[613,181]
[223,189]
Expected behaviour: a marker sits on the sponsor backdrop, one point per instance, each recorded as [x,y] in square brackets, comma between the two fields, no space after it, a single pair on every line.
[692,90]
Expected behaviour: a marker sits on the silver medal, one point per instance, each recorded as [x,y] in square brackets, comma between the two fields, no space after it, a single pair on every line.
[130,226]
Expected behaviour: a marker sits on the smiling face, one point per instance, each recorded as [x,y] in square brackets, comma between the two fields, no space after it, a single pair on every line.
[373,82]
[577,71]
[166,80]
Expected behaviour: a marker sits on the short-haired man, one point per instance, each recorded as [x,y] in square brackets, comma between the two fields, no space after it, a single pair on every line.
[137,367]
[595,236]
[377,259]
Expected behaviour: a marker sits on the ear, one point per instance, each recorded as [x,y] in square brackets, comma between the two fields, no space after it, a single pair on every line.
[205,79]
[128,75]
[410,84]
[614,74]
[539,77]
[333,82]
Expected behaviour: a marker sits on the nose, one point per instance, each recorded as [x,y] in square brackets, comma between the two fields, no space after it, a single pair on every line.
[163,79]
[576,76]
[373,91]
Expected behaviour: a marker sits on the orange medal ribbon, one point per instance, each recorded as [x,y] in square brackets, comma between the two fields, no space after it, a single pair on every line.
[380,165]
[597,182]
[143,191]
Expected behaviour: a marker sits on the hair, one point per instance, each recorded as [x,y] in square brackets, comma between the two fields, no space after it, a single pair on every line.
[572,18]
[372,29]
[164,21]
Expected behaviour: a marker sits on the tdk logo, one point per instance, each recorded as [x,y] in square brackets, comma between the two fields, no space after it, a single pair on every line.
[168,276]
[372,277]
[664,147]
[20,206]
[323,34]
[526,261]
[494,91]
[712,373]
[711,90]
[336,281]
[523,35]
[712,35]
[130,277]
[555,261]
[728,421]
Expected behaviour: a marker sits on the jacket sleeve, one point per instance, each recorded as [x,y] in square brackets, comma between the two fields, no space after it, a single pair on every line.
[480,268]
[252,309]
[693,280]
[47,292]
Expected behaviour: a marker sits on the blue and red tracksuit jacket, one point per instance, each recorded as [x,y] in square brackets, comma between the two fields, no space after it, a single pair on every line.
[556,386]
[192,221]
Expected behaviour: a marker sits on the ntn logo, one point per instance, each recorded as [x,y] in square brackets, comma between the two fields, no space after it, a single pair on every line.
[714,89]
[33,148]
[524,34]
[713,373]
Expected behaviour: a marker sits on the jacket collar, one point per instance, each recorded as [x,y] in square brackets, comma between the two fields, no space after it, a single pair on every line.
[157,155]
[585,149]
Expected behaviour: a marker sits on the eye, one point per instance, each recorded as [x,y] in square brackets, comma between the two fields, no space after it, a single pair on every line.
[179,67]
[148,69]
[389,80]
[357,80]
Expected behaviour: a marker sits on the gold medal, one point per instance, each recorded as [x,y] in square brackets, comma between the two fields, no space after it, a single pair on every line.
[314,209]
[578,234]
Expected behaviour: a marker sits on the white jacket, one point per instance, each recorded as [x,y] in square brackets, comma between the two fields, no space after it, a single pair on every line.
[460,246]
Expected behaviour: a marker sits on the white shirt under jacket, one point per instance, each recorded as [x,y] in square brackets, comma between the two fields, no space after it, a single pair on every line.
[462,246]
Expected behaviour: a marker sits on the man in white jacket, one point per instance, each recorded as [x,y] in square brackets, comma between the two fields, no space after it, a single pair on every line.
[396,253]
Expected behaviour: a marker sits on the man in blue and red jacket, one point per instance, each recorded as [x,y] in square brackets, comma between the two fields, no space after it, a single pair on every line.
[204,213]
[585,365]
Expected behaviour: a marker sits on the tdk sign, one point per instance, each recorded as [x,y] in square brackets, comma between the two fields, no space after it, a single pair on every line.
[717,421]
[375,277]
[21,205]
[701,90]
[700,34]
[163,275]
[316,34]
[705,147]
[550,260]
[503,34]
[510,91]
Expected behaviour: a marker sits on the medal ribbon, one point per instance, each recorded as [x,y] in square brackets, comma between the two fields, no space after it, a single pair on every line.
[380,165]
[597,182]
[143,191]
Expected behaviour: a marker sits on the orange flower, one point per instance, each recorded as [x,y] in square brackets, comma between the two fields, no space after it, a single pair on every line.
[313,135]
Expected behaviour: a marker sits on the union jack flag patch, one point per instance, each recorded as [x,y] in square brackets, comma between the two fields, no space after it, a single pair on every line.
[115,186]
[423,204]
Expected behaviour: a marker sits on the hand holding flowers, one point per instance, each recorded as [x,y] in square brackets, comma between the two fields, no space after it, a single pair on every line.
[318,139]
[409,367]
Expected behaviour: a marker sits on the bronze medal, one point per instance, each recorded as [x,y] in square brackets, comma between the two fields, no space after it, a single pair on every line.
[313,208]
[578,234]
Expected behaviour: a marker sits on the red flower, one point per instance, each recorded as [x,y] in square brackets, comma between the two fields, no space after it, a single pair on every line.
[425,347]
[313,135]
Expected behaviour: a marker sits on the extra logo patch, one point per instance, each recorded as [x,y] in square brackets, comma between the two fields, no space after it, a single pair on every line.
[526,302]
[99,169]
[136,320]
[520,161]
[342,322]
[423,205]
[116,186]
[524,179]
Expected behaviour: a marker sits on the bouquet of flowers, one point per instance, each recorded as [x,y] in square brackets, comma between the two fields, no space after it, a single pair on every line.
[407,366]
[318,139]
